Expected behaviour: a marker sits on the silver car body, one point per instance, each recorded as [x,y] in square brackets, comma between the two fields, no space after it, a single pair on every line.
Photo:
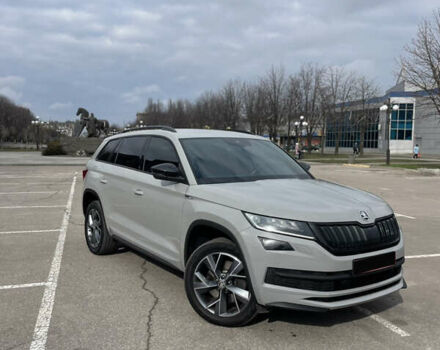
[156,216]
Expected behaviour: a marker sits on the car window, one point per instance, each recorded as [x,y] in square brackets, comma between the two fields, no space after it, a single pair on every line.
[160,150]
[108,153]
[130,150]
[220,160]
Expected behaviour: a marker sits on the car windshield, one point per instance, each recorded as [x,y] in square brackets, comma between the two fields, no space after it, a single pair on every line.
[225,159]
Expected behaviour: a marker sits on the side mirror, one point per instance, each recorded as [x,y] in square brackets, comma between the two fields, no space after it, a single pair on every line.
[168,172]
[305,166]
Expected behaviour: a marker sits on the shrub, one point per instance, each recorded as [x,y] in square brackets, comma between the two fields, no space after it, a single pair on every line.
[53,148]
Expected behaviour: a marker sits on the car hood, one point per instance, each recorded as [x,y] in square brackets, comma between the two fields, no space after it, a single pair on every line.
[296,199]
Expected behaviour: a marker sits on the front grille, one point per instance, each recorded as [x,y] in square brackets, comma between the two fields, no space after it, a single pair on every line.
[354,238]
[328,281]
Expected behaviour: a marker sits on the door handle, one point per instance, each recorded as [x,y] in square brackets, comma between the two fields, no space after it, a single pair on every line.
[138,192]
[103,181]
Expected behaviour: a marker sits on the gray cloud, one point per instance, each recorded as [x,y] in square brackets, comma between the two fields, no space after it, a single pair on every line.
[111,55]
[59,106]
[140,93]
[10,86]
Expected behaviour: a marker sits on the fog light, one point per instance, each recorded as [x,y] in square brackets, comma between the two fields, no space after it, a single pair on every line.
[274,244]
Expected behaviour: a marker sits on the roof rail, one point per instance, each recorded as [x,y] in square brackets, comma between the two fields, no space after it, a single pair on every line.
[152,127]
[243,131]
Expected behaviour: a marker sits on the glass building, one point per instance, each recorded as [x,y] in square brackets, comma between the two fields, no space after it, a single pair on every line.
[402,122]
[415,122]
[346,130]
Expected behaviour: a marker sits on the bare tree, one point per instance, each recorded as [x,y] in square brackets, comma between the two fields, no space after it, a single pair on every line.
[209,111]
[311,85]
[340,89]
[15,122]
[273,84]
[230,104]
[326,108]
[252,108]
[292,103]
[421,64]
[365,90]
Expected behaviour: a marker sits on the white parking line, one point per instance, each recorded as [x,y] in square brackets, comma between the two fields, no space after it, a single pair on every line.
[44,315]
[26,285]
[30,231]
[33,206]
[405,216]
[35,183]
[33,176]
[31,192]
[422,256]
[384,322]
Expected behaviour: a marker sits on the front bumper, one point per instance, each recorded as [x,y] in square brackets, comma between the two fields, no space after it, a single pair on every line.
[310,256]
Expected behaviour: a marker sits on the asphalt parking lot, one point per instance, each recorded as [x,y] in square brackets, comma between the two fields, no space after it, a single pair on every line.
[54,294]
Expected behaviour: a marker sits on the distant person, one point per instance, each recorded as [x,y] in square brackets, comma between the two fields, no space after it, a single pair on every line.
[297,150]
[356,149]
[416,151]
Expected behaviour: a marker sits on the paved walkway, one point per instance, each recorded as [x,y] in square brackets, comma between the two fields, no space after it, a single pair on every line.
[378,158]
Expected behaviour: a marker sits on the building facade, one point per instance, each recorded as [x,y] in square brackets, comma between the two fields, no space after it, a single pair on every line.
[415,122]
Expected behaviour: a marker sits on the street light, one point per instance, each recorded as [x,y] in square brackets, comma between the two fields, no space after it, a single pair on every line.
[298,129]
[385,107]
[37,123]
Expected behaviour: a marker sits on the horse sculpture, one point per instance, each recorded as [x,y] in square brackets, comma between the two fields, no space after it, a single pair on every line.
[95,127]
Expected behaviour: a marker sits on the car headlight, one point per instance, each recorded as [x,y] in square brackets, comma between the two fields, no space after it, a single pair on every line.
[282,226]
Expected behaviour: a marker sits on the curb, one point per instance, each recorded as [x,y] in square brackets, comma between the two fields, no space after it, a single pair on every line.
[357,165]
[428,172]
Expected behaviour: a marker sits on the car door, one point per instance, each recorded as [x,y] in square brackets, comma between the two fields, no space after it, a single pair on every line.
[101,175]
[158,204]
[119,185]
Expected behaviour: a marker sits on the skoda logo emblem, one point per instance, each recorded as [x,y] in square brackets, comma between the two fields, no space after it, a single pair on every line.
[364,215]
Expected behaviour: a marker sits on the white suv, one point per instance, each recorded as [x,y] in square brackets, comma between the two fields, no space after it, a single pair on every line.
[250,227]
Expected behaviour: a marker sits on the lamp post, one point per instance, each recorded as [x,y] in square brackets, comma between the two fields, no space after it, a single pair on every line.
[385,107]
[298,130]
[37,123]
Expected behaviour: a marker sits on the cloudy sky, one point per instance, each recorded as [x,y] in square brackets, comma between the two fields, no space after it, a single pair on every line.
[109,56]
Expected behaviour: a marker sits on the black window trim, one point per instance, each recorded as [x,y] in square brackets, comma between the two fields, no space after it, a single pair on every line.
[147,142]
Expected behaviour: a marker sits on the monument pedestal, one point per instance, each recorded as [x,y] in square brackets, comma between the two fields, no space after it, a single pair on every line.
[80,146]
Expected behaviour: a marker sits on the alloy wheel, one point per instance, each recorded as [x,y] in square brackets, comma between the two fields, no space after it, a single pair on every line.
[94,228]
[220,284]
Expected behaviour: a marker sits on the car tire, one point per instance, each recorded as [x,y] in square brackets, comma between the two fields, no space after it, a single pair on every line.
[218,286]
[97,237]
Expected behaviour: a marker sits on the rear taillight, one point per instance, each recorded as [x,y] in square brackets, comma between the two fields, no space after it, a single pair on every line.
[85,173]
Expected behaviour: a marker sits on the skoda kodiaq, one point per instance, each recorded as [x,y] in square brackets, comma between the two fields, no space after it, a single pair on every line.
[250,227]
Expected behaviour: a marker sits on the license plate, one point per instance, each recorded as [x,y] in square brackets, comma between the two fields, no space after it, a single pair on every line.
[373,263]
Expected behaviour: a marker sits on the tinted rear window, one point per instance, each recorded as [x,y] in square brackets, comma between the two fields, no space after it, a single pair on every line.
[108,153]
[129,152]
